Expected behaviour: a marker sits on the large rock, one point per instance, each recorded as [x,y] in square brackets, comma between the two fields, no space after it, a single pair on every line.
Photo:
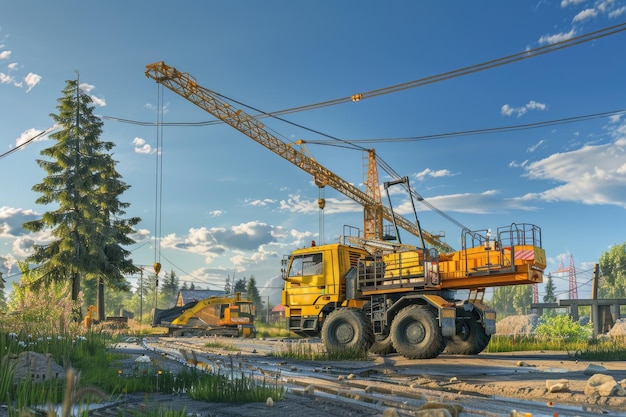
[619,328]
[517,325]
[604,386]
[37,366]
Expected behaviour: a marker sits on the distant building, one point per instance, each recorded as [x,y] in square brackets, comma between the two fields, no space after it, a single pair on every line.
[187,296]
[278,313]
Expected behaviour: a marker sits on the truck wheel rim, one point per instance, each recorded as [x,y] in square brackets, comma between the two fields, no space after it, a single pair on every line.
[415,333]
[344,333]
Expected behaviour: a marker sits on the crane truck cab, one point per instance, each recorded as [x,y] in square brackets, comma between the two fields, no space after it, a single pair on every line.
[405,299]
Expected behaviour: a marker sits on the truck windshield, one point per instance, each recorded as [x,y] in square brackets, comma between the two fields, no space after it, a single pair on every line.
[310,264]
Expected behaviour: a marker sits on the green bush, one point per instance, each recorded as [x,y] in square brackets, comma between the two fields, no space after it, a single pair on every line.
[562,326]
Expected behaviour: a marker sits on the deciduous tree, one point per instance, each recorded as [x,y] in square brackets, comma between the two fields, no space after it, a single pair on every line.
[612,283]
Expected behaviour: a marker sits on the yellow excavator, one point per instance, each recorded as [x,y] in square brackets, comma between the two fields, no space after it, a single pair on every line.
[366,292]
[230,315]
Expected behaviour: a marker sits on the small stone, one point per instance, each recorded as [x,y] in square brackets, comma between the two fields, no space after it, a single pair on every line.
[390,412]
[269,402]
[558,385]
[453,410]
[594,369]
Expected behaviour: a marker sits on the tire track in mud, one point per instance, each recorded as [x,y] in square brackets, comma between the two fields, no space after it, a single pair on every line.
[333,388]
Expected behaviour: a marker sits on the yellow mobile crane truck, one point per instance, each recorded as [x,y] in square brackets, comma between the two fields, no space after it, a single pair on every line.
[405,299]
[369,294]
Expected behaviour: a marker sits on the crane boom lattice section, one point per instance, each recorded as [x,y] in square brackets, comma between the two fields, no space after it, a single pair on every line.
[186,86]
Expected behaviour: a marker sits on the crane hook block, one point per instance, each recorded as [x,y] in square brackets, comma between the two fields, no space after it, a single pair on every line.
[321,203]
[157,268]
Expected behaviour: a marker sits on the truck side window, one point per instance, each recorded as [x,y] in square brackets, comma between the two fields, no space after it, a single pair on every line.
[306,265]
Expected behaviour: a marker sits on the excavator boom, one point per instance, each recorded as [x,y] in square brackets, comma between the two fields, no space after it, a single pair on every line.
[210,101]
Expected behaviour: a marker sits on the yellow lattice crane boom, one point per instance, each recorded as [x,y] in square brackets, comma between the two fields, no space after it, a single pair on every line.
[187,87]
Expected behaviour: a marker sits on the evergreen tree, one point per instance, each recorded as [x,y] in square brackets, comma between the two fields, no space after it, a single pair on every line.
[227,286]
[549,297]
[169,289]
[240,285]
[253,295]
[87,226]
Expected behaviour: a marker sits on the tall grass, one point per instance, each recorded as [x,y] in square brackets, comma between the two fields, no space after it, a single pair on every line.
[273,330]
[591,349]
[317,352]
[237,387]
[91,355]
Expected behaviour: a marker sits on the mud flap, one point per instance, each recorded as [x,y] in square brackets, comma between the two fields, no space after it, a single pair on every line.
[447,321]
[489,322]
[488,317]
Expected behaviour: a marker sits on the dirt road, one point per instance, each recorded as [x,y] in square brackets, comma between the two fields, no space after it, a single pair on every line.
[486,384]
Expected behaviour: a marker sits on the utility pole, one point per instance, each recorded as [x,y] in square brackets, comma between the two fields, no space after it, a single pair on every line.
[594,282]
[595,309]
[141,290]
[141,296]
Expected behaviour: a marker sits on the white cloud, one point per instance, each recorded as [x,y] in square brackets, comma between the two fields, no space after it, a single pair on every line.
[153,108]
[260,203]
[585,14]
[87,88]
[32,80]
[28,135]
[12,219]
[432,173]
[5,55]
[557,37]
[141,146]
[565,3]
[536,146]
[98,101]
[295,204]
[486,202]
[213,242]
[216,213]
[12,66]
[592,174]
[6,79]
[507,110]
[617,12]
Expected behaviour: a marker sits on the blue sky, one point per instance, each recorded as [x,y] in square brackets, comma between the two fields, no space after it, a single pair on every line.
[232,207]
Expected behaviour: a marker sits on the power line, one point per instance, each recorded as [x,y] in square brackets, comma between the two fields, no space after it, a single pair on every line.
[531,53]
[25,143]
[484,131]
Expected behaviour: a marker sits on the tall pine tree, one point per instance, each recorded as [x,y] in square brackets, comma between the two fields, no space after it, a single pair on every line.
[549,296]
[252,293]
[87,226]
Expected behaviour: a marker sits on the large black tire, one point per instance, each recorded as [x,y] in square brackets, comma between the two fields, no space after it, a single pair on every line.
[415,333]
[382,345]
[470,338]
[347,328]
